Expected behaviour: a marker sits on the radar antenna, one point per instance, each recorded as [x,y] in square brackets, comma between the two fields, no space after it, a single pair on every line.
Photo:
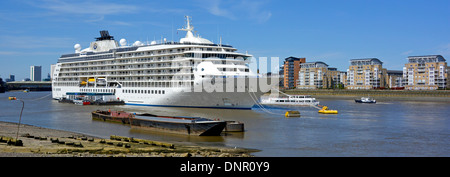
[189,28]
[188,25]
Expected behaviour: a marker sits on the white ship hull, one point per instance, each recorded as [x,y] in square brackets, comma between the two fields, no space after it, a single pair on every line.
[198,97]
[198,100]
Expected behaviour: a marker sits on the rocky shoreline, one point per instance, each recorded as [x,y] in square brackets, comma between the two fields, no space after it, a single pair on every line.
[44,142]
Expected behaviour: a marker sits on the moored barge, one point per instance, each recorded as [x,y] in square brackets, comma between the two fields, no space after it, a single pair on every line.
[234,126]
[182,125]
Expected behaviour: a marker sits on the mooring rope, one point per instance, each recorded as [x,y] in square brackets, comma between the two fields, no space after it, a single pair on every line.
[258,104]
[40,98]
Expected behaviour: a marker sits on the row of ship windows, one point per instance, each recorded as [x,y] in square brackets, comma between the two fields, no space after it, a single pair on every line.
[144,65]
[170,51]
[151,53]
[145,91]
[297,101]
[98,90]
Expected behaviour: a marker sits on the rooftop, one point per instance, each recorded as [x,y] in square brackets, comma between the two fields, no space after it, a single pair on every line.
[291,58]
[426,58]
[316,64]
[366,61]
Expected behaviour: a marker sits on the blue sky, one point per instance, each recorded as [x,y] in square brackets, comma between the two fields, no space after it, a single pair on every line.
[37,32]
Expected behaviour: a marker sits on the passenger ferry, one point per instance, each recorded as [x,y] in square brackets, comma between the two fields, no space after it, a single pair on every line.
[193,72]
[296,100]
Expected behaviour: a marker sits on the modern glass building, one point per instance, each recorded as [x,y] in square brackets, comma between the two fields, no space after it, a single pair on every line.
[35,73]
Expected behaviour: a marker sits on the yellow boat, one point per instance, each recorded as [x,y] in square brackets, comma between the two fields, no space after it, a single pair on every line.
[325,110]
[292,114]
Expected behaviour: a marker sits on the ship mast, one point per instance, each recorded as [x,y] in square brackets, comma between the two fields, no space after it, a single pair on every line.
[188,27]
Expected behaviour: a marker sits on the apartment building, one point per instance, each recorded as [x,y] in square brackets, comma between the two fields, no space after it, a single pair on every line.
[291,67]
[367,73]
[394,79]
[313,75]
[343,79]
[428,72]
[332,78]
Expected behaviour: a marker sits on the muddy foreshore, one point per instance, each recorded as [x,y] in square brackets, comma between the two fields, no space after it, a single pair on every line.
[44,142]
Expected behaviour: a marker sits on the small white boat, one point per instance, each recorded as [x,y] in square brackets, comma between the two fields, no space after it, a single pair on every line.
[296,100]
[81,102]
[366,100]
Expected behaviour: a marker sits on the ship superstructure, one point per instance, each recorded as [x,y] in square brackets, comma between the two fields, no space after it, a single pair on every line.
[158,74]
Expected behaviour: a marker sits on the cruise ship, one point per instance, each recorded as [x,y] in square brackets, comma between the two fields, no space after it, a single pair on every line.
[193,72]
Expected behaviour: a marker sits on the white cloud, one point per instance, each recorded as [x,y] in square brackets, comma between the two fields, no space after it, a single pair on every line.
[214,8]
[255,10]
[94,11]
[329,55]
[8,53]
[93,20]
[234,9]
[87,7]
[444,49]
[407,52]
[122,23]
[29,42]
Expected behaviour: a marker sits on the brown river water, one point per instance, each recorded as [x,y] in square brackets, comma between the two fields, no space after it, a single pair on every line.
[387,128]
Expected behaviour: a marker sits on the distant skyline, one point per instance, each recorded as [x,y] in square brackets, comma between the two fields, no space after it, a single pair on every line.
[38,32]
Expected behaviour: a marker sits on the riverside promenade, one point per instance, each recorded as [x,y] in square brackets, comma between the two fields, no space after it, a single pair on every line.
[417,95]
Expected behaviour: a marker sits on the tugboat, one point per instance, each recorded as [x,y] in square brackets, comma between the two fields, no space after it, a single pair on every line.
[366,100]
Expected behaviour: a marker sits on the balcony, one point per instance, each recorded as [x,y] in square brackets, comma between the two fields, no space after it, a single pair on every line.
[421,70]
[420,82]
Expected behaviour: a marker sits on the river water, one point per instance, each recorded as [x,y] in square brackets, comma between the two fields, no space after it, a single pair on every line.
[388,128]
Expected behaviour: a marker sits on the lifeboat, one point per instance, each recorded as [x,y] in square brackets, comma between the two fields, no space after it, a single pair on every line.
[325,110]
[101,81]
